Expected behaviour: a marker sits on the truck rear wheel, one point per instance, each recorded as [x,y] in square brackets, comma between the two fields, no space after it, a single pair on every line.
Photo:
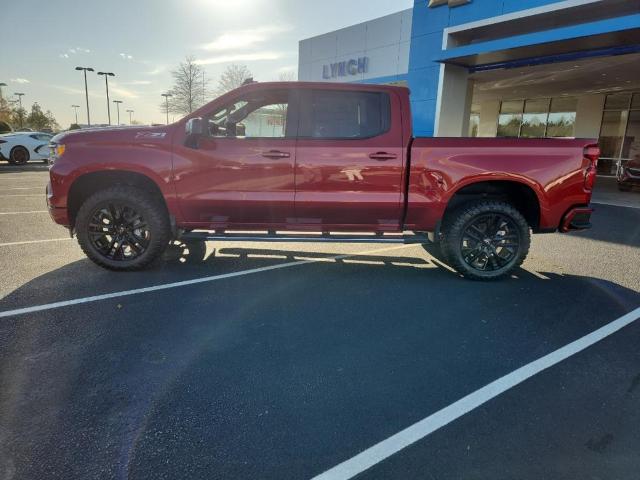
[123,228]
[485,240]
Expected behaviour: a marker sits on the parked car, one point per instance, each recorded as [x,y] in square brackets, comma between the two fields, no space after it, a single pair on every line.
[316,157]
[629,175]
[20,147]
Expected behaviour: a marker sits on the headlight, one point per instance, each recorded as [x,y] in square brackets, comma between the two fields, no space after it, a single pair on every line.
[55,151]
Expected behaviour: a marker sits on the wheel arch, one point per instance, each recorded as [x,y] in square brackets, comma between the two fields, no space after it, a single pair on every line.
[520,194]
[89,183]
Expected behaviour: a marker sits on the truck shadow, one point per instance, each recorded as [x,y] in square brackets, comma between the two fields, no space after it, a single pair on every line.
[402,319]
[430,272]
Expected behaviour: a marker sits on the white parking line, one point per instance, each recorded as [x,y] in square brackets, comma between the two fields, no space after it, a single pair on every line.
[19,188]
[27,242]
[24,195]
[615,203]
[380,451]
[19,213]
[166,286]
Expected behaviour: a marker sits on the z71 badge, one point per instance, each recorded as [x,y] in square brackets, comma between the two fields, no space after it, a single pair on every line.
[150,135]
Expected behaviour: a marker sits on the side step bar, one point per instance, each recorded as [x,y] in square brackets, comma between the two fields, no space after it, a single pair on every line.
[415,238]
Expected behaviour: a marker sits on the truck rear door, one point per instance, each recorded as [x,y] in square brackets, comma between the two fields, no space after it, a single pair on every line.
[349,159]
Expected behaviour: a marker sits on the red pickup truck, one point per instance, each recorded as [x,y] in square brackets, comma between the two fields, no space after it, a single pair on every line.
[335,159]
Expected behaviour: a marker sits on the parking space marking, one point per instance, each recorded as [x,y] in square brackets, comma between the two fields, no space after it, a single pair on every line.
[27,242]
[23,195]
[29,211]
[613,203]
[19,188]
[184,283]
[386,448]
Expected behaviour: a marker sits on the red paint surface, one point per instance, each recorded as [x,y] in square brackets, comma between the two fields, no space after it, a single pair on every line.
[321,184]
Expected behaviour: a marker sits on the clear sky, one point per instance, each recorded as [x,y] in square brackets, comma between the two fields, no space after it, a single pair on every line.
[142,40]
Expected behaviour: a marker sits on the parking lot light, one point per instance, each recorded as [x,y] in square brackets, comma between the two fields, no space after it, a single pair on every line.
[86,89]
[75,108]
[130,112]
[20,95]
[106,83]
[166,99]
[118,102]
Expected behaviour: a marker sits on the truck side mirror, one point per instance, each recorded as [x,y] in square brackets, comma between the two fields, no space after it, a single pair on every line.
[194,130]
[194,127]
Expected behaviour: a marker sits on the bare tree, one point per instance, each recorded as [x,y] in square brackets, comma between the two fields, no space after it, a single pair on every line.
[287,76]
[189,88]
[233,77]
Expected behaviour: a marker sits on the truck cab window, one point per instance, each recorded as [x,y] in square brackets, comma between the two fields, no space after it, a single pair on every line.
[258,115]
[335,114]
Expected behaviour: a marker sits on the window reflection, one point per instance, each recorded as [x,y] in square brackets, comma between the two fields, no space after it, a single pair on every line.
[538,118]
[620,131]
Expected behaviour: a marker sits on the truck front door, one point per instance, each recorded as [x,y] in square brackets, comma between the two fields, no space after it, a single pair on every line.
[349,160]
[240,173]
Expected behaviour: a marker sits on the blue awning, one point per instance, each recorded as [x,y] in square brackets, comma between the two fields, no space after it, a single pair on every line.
[613,36]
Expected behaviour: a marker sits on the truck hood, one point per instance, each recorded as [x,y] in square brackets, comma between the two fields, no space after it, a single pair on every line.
[115,134]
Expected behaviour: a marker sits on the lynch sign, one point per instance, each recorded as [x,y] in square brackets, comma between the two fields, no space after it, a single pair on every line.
[345,69]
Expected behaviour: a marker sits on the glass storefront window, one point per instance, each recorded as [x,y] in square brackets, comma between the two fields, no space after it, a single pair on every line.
[534,120]
[618,101]
[620,131]
[474,124]
[562,117]
[510,119]
[611,133]
[631,146]
[538,118]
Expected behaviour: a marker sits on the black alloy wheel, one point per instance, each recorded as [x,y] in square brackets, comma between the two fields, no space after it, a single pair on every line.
[119,232]
[485,240]
[123,228]
[490,242]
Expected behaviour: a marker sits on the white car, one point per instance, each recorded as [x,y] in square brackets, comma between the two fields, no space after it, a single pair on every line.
[20,147]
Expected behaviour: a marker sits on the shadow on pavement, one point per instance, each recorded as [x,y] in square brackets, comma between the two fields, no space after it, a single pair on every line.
[290,367]
[613,224]
[184,262]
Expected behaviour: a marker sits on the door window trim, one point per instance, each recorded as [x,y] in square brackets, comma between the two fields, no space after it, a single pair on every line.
[304,101]
[292,117]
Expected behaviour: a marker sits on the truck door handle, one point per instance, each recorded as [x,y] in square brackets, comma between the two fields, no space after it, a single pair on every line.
[276,154]
[382,156]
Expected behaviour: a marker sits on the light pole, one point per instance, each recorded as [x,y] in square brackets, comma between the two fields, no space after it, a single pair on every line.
[118,102]
[166,99]
[20,95]
[86,90]
[75,108]
[106,84]
[129,112]
[2,84]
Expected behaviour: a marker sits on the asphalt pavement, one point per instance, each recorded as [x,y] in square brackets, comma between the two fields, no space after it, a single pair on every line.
[285,360]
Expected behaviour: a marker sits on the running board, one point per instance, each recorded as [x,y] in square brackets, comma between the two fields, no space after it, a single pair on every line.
[308,238]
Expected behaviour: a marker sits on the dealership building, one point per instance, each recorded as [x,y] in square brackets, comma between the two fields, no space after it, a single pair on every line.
[507,68]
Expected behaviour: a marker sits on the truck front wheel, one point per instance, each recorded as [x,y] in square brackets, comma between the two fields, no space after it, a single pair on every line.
[485,240]
[123,228]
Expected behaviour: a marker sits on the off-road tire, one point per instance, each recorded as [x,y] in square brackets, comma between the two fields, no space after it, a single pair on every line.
[152,211]
[455,224]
